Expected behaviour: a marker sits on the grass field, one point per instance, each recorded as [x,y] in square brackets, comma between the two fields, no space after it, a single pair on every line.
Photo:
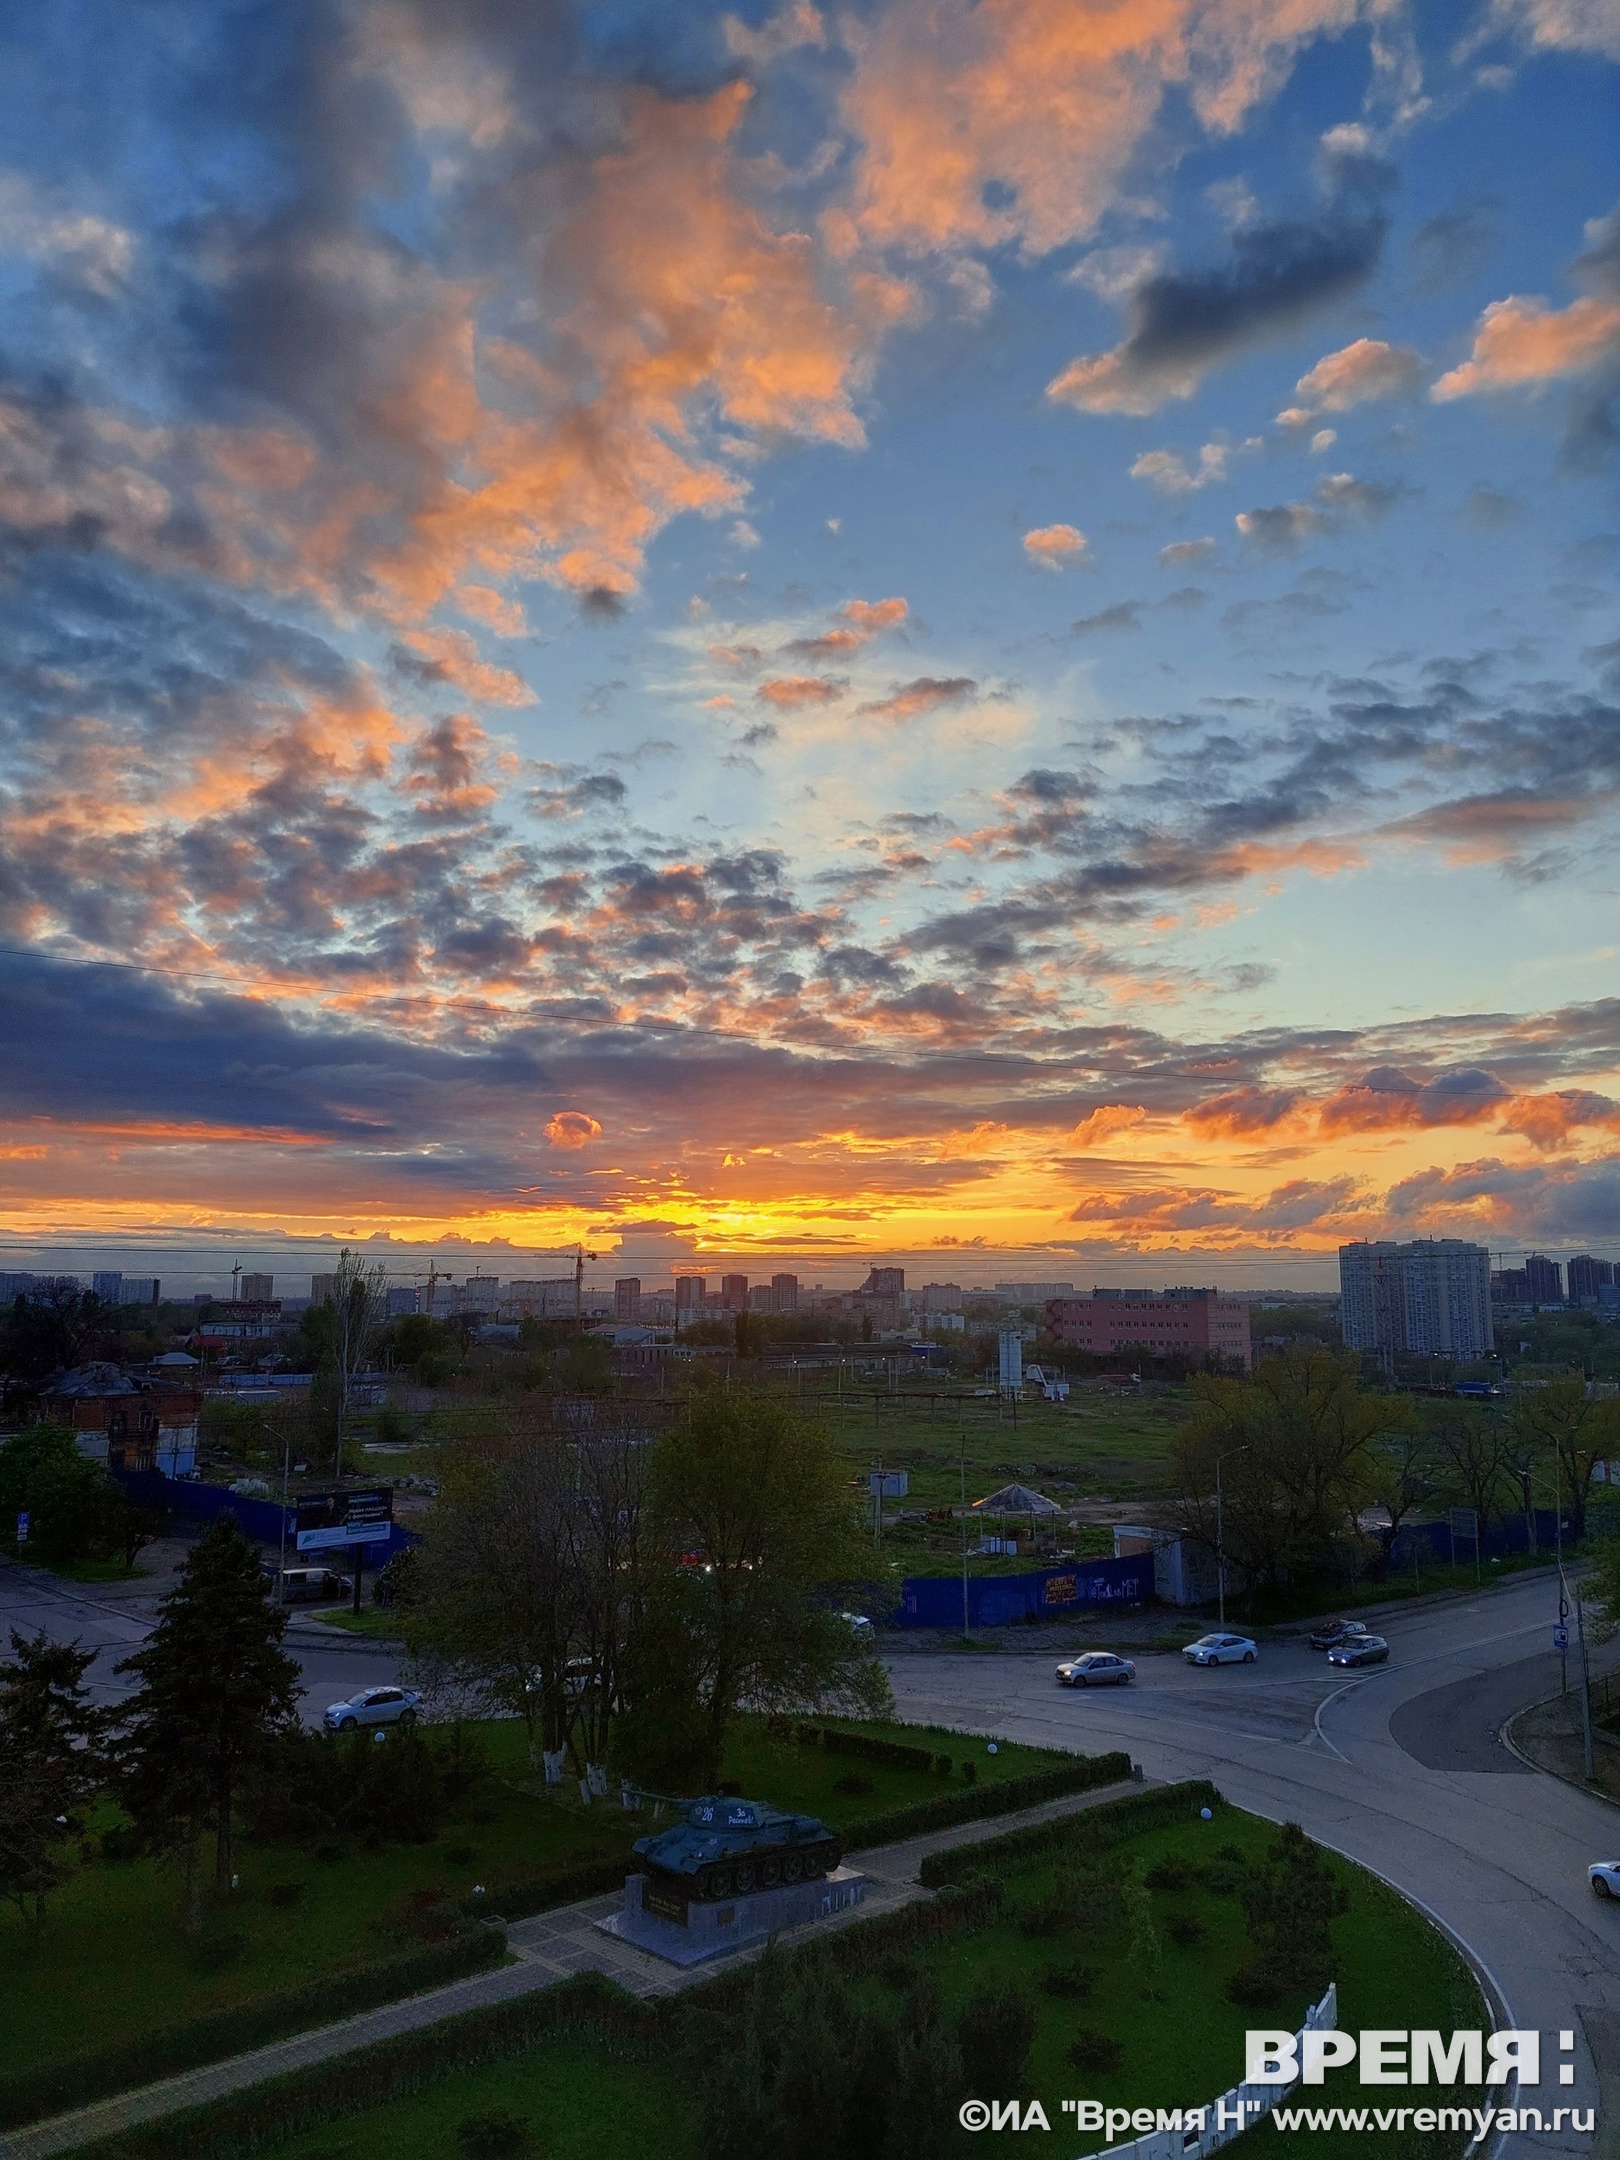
[113,1962]
[1181,2042]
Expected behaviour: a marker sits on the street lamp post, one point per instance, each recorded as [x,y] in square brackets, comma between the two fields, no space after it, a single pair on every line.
[1220,1528]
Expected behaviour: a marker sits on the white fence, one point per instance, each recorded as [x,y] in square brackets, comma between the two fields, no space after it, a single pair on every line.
[1205,2130]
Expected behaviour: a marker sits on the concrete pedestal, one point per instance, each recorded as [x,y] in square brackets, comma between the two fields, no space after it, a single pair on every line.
[713,1929]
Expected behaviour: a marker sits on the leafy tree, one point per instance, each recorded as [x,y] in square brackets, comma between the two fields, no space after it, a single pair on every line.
[1401,1477]
[1474,1447]
[359,1304]
[215,1689]
[1296,1445]
[749,1530]
[50,1766]
[47,1328]
[995,2031]
[74,1507]
[1577,1430]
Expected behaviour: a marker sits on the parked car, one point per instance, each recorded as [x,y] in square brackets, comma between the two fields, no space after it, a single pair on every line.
[1604,1876]
[1331,1633]
[1096,1668]
[373,1706]
[859,1626]
[1221,1650]
[309,1585]
[1362,1649]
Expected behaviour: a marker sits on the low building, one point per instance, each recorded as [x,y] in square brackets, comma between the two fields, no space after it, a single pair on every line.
[1197,1324]
[126,1425]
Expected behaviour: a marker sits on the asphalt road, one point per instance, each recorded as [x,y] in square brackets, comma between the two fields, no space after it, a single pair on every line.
[1397,1766]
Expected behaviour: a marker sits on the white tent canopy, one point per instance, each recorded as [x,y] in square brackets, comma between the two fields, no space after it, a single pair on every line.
[1016,1500]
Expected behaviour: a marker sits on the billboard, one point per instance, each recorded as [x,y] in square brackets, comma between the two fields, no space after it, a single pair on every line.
[345,1518]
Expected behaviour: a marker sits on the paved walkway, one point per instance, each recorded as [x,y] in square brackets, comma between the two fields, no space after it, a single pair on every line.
[551,1946]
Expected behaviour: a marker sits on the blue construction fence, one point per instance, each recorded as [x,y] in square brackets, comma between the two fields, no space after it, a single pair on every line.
[260,1520]
[1433,1540]
[1003,1600]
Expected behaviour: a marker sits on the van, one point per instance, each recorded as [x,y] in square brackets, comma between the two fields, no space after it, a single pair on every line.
[310,1586]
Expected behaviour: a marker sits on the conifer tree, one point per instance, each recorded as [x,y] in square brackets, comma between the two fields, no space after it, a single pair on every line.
[50,1766]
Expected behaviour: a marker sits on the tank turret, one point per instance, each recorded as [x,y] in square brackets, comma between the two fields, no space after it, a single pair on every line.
[726,1848]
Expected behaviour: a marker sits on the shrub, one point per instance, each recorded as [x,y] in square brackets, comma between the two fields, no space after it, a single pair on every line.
[493,2135]
[970,1772]
[1184,1929]
[120,1843]
[1069,1983]
[1172,1873]
[1096,1830]
[284,1895]
[1098,2052]
[218,1950]
[995,2031]
[943,1766]
[856,1784]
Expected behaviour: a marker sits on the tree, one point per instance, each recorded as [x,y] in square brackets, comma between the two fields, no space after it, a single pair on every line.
[50,1766]
[749,1531]
[1577,1429]
[75,1509]
[46,1329]
[1294,1444]
[359,1306]
[1289,1906]
[1400,1478]
[1474,1447]
[215,1689]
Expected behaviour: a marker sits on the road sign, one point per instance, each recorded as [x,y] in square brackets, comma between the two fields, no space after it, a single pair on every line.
[22,1527]
[345,1518]
[1560,1638]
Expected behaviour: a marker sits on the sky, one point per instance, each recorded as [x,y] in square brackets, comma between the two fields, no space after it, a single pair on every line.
[983,632]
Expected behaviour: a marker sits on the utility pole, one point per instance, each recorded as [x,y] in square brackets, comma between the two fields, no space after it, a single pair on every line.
[1586,1687]
[962,1436]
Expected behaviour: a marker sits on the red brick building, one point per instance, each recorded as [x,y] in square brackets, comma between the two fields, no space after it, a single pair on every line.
[1198,1323]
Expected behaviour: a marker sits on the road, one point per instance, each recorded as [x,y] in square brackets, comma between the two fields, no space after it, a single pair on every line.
[114,1621]
[1399,1767]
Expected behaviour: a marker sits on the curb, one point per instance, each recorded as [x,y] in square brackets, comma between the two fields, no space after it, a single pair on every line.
[1505,1736]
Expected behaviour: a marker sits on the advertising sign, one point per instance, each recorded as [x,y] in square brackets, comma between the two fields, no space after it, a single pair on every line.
[345,1518]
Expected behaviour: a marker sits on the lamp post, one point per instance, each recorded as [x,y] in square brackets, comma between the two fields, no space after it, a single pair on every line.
[1220,1527]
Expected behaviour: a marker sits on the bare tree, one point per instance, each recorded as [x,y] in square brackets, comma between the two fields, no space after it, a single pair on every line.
[1475,1449]
[1400,1478]
[359,1307]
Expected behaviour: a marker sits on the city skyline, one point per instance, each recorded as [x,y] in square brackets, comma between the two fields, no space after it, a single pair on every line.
[971,635]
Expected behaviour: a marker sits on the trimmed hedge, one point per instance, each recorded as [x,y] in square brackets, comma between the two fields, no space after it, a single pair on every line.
[390,2069]
[538,1893]
[28,2096]
[895,1753]
[1099,1828]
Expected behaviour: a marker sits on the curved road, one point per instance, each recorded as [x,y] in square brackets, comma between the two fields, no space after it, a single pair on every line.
[1399,1767]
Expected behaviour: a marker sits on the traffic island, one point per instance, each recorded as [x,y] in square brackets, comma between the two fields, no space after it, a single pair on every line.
[1548,1737]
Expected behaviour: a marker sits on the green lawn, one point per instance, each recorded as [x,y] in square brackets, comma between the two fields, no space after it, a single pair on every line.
[113,1962]
[1181,2041]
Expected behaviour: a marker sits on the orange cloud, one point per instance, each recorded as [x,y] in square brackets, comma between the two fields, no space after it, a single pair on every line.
[1243,1111]
[925,695]
[1551,1121]
[450,656]
[874,615]
[788,692]
[1103,1124]
[569,1129]
[1359,372]
[1054,545]
[1521,340]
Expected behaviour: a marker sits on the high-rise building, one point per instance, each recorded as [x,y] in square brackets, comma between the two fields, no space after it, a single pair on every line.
[1510,1286]
[1546,1279]
[762,1298]
[884,1282]
[690,1292]
[734,1292]
[1586,1277]
[108,1285]
[402,1298]
[627,1299]
[322,1289]
[1033,1293]
[785,1293]
[942,1297]
[260,1288]
[1432,1297]
[143,1290]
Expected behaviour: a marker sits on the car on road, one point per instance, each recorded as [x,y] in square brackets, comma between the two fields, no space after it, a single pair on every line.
[1221,1650]
[1362,1649]
[1331,1633]
[1096,1668]
[307,1585]
[373,1706]
[1604,1876]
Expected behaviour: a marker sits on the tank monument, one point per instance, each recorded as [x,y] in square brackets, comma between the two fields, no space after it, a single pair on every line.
[728,1872]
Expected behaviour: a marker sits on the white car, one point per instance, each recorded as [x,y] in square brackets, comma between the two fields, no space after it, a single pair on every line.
[373,1706]
[1221,1650]
[1604,1876]
[859,1626]
[1096,1668]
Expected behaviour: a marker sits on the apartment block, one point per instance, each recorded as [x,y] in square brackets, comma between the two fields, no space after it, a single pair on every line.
[1431,1297]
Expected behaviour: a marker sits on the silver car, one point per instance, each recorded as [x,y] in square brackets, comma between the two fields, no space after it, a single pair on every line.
[373,1706]
[1221,1650]
[1096,1668]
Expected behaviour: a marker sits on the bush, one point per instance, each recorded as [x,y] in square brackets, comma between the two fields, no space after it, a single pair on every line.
[856,1784]
[316,1789]
[284,1895]
[492,2136]
[120,1843]
[1184,1929]
[1172,1873]
[943,1766]
[970,1772]
[1097,1830]
[27,2095]
[1069,1983]
[995,2031]
[1097,2052]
